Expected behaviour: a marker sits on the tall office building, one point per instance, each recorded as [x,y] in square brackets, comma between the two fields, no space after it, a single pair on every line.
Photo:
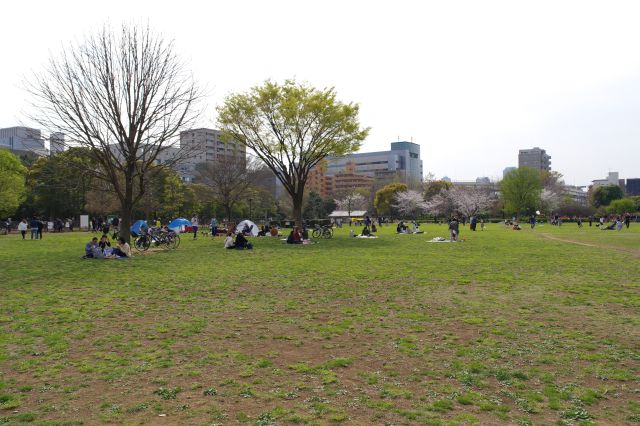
[535,158]
[200,146]
[22,140]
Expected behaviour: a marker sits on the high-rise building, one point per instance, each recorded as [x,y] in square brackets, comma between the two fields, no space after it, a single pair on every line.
[22,140]
[56,143]
[633,186]
[200,146]
[534,158]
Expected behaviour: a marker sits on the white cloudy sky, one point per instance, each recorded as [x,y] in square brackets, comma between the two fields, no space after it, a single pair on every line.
[470,81]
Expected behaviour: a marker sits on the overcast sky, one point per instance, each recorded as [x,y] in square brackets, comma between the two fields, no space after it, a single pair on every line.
[471,82]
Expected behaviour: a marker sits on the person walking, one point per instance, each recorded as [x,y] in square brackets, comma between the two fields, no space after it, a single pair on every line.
[473,222]
[214,226]
[590,220]
[194,224]
[33,226]
[627,220]
[532,221]
[579,221]
[454,229]
[22,227]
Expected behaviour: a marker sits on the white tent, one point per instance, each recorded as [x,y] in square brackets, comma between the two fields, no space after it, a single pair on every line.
[252,226]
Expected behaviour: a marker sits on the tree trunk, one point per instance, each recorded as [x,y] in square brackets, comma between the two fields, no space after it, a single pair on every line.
[297,208]
[126,211]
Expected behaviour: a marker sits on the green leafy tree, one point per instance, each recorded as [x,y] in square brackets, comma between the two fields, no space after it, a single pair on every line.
[434,187]
[604,195]
[58,185]
[386,197]
[621,206]
[12,183]
[291,127]
[521,189]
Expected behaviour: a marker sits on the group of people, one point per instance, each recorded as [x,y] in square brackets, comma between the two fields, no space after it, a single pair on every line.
[101,249]
[35,225]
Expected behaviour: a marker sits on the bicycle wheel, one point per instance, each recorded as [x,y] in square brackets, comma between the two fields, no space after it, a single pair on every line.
[174,241]
[328,233]
[316,233]
[142,243]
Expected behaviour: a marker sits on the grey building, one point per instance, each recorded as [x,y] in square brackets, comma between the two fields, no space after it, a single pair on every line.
[633,186]
[56,143]
[402,162]
[535,158]
[508,170]
[200,146]
[22,140]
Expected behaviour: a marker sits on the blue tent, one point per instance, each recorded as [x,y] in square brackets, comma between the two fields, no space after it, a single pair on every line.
[177,224]
[136,227]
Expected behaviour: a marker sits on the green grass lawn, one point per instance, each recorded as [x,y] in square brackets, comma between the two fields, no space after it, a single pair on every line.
[508,327]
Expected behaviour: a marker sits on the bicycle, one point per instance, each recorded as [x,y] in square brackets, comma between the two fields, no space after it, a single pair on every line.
[322,232]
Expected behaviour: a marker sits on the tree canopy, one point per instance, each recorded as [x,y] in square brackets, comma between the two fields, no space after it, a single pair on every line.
[521,189]
[291,127]
[604,195]
[386,197]
[12,183]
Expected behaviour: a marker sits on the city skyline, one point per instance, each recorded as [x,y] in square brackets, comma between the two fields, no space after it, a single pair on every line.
[471,84]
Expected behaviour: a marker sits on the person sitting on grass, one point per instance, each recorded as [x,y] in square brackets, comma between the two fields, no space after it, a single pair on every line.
[104,242]
[295,237]
[123,250]
[228,241]
[242,242]
[91,249]
[401,228]
[365,231]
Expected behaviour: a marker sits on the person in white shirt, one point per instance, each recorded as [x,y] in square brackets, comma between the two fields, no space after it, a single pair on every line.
[22,227]
[194,224]
[228,242]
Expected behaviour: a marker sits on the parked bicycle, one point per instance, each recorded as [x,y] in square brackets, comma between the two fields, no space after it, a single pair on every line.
[322,232]
[157,238]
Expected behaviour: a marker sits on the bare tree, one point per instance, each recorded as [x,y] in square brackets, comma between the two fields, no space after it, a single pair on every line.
[123,95]
[229,180]
[410,203]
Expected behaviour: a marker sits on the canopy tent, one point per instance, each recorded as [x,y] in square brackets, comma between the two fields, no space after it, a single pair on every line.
[253,228]
[137,226]
[176,225]
[345,214]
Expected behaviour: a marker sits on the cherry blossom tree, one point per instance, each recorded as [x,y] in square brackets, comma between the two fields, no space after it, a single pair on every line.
[470,201]
[351,201]
[410,203]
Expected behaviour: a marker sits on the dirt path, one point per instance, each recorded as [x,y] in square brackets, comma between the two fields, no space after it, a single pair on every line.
[634,253]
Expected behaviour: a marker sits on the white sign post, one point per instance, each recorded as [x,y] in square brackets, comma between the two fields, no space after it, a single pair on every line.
[84,222]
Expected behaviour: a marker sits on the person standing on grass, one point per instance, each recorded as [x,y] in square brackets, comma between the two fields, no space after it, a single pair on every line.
[22,227]
[627,219]
[194,224]
[40,228]
[532,221]
[33,225]
[481,224]
[590,221]
[214,226]
[579,221]
[619,223]
[454,229]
